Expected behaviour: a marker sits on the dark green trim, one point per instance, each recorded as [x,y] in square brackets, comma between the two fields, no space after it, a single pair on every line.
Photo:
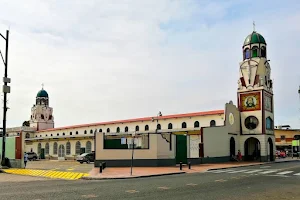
[137,163]
[215,159]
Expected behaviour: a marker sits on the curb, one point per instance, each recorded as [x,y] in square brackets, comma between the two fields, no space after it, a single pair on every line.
[266,163]
[130,177]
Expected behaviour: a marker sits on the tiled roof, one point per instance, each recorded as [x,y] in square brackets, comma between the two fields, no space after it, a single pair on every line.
[214,112]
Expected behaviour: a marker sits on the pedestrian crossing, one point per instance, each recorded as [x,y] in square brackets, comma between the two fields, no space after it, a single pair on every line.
[273,172]
[47,173]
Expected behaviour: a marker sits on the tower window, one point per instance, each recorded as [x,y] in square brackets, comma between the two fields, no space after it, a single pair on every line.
[263,52]
[247,53]
[251,122]
[269,123]
[254,52]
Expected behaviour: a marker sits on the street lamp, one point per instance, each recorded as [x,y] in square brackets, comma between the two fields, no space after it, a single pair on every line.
[5,90]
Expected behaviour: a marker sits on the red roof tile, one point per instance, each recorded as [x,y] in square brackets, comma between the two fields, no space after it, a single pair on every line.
[214,112]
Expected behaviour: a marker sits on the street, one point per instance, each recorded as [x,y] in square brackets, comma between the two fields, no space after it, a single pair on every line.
[263,182]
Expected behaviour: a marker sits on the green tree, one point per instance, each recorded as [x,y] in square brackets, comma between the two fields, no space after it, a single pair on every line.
[26,123]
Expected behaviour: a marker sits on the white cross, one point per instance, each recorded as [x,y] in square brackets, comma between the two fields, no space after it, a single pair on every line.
[42,85]
[253,25]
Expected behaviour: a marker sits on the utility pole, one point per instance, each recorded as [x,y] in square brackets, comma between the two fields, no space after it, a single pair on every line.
[5,89]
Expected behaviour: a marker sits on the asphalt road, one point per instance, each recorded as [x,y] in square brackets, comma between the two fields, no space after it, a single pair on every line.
[266,182]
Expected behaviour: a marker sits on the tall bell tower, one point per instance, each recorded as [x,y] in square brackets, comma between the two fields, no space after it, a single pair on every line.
[41,114]
[255,101]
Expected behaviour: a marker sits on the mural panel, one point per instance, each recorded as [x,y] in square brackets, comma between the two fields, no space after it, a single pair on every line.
[250,101]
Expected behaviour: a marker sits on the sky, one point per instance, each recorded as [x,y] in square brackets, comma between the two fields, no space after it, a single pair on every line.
[118,59]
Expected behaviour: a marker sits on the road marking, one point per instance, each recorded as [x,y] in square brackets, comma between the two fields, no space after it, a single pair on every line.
[89,196]
[191,184]
[278,175]
[70,169]
[265,167]
[220,171]
[253,171]
[285,172]
[221,180]
[47,173]
[238,171]
[268,172]
[164,188]
[131,191]
[235,177]
[298,174]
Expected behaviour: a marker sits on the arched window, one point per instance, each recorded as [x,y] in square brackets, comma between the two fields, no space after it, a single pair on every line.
[77,148]
[183,125]
[269,124]
[27,135]
[196,124]
[68,148]
[42,116]
[55,148]
[88,147]
[137,128]
[71,133]
[126,129]
[247,53]
[170,126]
[254,52]
[76,132]
[47,149]
[107,130]
[39,149]
[212,123]
[91,131]
[85,132]
[63,133]
[100,130]
[118,130]
[146,128]
[51,134]
[56,134]
[158,127]
[263,52]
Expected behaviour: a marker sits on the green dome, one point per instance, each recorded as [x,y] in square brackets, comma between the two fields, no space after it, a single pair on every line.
[42,93]
[254,37]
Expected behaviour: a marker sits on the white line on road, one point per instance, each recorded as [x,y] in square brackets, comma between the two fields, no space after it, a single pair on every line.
[238,171]
[268,172]
[285,172]
[220,171]
[253,171]
[298,174]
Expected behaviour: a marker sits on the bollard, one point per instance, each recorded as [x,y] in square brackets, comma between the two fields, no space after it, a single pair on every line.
[100,167]
[180,165]
[189,165]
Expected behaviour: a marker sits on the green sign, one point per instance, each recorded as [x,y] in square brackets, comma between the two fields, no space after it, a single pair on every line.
[295,143]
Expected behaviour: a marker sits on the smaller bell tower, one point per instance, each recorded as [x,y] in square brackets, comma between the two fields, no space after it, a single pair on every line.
[41,114]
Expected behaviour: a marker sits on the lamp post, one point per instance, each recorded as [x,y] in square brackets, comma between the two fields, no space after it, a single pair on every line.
[133,138]
[5,89]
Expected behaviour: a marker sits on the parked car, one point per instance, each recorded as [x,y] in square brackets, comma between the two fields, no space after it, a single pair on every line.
[86,157]
[32,156]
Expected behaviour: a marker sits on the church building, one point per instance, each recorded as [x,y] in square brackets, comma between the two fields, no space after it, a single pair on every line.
[164,140]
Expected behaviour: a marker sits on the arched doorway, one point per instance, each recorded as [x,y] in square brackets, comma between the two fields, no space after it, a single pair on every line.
[61,151]
[232,147]
[252,149]
[270,150]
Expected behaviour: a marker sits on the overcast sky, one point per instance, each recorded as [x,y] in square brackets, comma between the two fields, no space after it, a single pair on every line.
[117,59]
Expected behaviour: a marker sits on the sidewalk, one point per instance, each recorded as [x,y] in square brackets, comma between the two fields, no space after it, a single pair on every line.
[138,172]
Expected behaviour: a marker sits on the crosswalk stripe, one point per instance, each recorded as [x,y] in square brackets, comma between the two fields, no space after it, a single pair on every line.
[220,171]
[285,172]
[298,174]
[233,172]
[268,172]
[253,171]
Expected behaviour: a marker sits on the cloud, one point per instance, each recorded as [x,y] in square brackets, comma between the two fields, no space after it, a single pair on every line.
[108,60]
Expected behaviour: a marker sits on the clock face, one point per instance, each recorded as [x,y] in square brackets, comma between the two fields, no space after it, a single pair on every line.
[250,101]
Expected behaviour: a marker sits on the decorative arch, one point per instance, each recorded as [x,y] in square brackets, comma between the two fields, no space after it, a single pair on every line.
[27,135]
[255,52]
[252,149]
[170,126]
[147,128]
[55,148]
[158,127]
[68,148]
[88,147]
[183,125]
[212,123]
[47,148]
[77,148]
[196,124]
